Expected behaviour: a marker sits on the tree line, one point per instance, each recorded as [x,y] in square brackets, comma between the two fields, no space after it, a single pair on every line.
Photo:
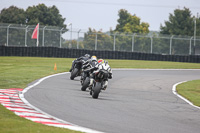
[49,16]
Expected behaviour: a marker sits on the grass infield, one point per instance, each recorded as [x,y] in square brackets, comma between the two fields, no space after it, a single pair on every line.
[18,72]
[191,91]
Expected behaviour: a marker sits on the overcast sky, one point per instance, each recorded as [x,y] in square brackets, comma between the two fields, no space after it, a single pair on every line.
[103,14]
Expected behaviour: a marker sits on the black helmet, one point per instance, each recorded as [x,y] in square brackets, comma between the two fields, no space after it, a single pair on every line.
[87,55]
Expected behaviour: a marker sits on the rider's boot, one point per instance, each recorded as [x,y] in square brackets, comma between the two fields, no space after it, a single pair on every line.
[70,70]
[105,85]
[91,82]
[90,85]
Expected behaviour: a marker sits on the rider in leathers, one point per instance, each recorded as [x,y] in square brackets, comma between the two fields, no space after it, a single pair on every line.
[101,65]
[87,67]
[84,58]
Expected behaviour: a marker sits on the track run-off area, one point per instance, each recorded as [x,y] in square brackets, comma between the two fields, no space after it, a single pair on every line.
[136,100]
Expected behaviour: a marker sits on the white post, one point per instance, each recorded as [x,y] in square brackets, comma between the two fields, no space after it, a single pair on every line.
[114,42]
[194,34]
[61,37]
[38,35]
[71,33]
[133,42]
[43,36]
[8,33]
[78,39]
[151,44]
[190,50]
[26,36]
[96,42]
[170,49]
[70,24]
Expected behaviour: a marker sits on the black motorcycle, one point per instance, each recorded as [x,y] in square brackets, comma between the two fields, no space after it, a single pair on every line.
[99,82]
[85,81]
[85,76]
[77,69]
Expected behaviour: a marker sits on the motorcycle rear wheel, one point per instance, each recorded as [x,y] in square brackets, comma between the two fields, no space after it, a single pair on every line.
[86,83]
[96,90]
[73,73]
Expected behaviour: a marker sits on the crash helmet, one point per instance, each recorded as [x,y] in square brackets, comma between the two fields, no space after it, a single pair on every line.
[100,61]
[87,55]
[94,58]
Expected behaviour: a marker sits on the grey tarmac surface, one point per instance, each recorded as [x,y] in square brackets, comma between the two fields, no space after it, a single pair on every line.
[136,101]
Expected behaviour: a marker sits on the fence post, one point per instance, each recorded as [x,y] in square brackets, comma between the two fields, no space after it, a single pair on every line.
[70,43]
[170,49]
[96,42]
[61,37]
[43,36]
[195,33]
[133,42]
[151,44]
[114,42]
[78,39]
[190,50]
[8,33]
[26,36]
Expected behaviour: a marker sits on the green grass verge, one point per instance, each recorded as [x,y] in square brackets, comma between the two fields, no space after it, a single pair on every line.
[191,91]
[18,72]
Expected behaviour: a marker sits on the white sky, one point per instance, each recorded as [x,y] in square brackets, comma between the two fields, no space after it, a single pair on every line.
[103,14]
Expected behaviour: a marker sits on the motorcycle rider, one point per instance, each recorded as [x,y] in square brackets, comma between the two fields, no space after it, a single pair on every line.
[87,66]
[90,63]
[106,67]
[102,64]
[84,58]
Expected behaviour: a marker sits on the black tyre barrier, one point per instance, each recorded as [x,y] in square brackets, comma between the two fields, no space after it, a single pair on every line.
[74,53]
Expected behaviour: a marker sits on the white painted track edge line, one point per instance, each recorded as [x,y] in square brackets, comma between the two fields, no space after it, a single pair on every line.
[73,126]
[175,92]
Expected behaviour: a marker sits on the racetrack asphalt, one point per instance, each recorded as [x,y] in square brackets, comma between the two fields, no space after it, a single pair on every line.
[136,101]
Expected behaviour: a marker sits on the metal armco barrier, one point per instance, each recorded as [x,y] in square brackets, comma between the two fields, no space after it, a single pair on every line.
[74,53]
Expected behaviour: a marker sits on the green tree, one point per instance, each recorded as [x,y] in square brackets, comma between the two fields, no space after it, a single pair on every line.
[48,16]
[45,16]
[12,15]
[180,23]
[123,20]
[130,23]
[42,14]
